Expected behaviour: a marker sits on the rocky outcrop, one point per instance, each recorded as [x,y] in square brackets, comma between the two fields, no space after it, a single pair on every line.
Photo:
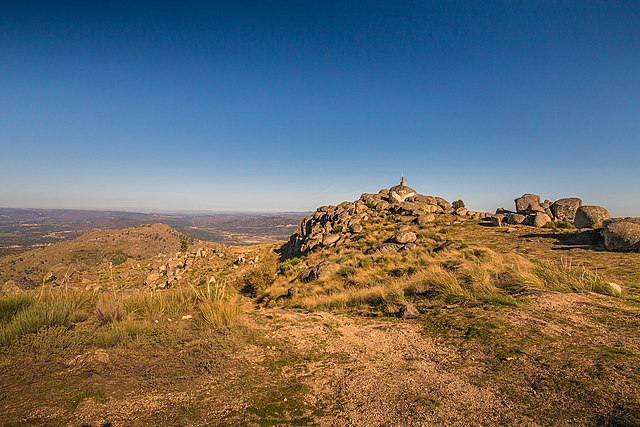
[528,203]
[337,226]
[401,192]
[565,209]
[590,216]
[531,211]
[166,273]
[622,234]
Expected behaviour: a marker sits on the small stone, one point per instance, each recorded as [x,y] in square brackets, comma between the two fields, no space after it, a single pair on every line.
[408,311]
[615,288]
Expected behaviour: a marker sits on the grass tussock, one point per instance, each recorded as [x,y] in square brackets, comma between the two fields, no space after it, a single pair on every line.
[216,309]
[11,305]
[153,305]
[109,309]
[50,307]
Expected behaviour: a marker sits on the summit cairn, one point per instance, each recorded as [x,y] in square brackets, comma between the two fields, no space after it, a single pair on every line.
[401,192]
[349,222]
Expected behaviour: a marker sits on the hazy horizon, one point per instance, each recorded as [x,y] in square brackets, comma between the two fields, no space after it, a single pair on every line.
[285,106]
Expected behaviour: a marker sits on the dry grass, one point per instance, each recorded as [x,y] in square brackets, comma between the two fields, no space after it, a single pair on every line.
[49,307]
[119,318]
[154,305]
[215,308]
[109,309]
[471,275]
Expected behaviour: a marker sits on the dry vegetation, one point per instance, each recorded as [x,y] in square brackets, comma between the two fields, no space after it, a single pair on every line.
[514,328]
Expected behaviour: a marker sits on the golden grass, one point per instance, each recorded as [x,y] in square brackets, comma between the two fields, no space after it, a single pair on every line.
[117,318]
[50,307]
[475,275]
[216,309]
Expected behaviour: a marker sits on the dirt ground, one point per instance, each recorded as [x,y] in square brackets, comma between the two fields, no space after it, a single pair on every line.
[547,363]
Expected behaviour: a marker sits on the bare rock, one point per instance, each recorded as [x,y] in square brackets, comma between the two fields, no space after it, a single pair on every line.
[528,203]
[425,219]
[540,219]
[515,218]
[443,203]
[586,236]
[590,216]
[403,236]
[330,239]
[615,289]
[408,311]
[565,209]
[325,269]
[622,234]
[356,228]
[496,220]
[449,245]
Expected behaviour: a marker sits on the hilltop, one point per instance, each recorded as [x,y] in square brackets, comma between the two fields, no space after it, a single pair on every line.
[395,309]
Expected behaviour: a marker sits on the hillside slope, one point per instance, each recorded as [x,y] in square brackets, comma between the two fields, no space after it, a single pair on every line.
[96,258]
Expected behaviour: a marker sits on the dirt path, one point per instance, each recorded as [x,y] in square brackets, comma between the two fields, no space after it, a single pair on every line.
[376,372]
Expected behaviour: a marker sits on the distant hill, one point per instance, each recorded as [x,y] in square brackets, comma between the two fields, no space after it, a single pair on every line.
[25,229]
[93,256]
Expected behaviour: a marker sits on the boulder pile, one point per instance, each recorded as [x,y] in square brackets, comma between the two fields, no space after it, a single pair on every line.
[531,211]
[594,223]
[331,226]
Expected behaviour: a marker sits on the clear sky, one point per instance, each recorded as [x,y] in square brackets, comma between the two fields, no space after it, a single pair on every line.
[288,105]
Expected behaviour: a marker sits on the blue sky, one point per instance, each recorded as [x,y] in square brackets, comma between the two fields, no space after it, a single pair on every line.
[288,105]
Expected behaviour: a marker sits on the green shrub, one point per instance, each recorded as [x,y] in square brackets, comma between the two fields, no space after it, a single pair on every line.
[257,280]
[457,204]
